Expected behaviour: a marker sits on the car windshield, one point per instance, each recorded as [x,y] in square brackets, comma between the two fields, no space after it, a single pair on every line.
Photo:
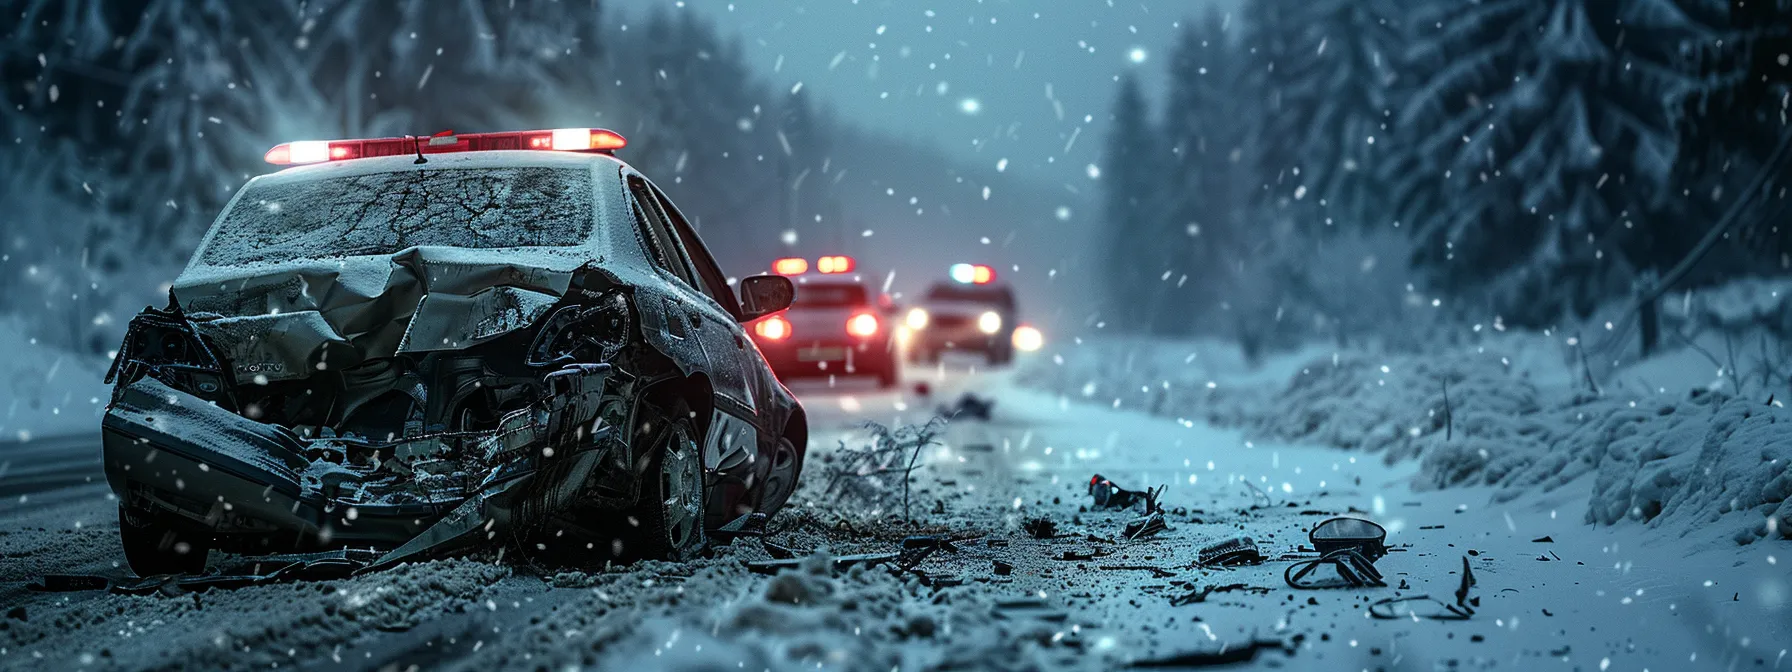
[383,213]
[829,296]
[984,294]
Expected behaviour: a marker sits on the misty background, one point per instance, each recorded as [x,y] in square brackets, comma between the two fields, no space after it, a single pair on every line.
[1267,171]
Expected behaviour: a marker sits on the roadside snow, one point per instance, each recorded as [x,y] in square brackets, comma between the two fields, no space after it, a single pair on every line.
[1674,459]
[47,390]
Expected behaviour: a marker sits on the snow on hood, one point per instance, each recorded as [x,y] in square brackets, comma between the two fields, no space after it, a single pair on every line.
[284,321]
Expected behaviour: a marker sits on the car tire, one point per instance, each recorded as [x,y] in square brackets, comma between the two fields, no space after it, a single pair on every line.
[669,517]
[153,547]
[781,478]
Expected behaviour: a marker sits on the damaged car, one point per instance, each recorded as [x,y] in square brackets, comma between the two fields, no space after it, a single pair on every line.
[424,345]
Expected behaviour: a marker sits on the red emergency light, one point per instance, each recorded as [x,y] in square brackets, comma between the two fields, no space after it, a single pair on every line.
[598,140]
[790,266]
[835,264]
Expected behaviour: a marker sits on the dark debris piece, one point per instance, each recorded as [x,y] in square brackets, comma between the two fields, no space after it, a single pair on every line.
[1230,552]
[969,407]
[1438,610]
[249,572]
[1198,595]
[1149,525]
[839,563]
[1040,528]
[1108,495]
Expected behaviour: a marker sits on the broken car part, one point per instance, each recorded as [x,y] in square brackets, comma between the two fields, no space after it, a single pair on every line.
[1230,552]
[1433,608]
[1108,495]
[1348,545]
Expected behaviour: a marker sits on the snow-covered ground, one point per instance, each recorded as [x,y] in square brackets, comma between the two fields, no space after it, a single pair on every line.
[1623,597]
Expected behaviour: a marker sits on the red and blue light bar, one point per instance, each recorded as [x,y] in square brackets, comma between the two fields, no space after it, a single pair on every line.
[560,139]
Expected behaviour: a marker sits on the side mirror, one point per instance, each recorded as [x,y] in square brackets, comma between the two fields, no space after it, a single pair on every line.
[762,295]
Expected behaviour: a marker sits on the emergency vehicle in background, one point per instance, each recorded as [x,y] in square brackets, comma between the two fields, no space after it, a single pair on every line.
[837,326]
[969,313]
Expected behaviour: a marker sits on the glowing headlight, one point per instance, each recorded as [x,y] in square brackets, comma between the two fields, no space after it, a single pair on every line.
[1028,339]
[916,319]
[989,322]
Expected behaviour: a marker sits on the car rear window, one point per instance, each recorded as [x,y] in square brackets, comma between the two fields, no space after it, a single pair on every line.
[382,213]
[997,296]
[830,296]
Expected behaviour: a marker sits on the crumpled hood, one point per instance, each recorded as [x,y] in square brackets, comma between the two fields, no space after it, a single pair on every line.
[285,321]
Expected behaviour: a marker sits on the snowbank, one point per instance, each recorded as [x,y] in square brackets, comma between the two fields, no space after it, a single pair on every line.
[45,389]
[1498,414]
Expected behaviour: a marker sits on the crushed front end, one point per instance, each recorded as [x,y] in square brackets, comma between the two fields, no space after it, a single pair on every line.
[489,414]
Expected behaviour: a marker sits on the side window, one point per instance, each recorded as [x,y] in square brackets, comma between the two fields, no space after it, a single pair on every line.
[659,241]
[709,273]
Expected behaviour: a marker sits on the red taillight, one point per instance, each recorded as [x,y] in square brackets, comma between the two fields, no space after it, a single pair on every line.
[773,328]
[863,325]
[791,266]
[835,264]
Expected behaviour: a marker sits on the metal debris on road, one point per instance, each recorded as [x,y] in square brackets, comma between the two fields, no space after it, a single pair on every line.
[1199,594]
[1230,552]
[1040,528]
[250,572]
[1461,610]
[1350,546]
[1108,495]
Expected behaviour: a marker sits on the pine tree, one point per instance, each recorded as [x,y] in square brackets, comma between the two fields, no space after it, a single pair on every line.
[1131,172]
[1323,72]
[1537,143]
[1209,188]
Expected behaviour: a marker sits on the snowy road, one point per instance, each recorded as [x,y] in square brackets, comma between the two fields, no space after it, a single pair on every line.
[1590,599]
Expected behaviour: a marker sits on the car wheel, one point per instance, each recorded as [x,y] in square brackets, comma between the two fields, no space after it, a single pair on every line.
[153,547]
[670,512]
[781,479]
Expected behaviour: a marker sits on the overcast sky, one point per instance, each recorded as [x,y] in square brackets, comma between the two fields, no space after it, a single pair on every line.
[1027,81]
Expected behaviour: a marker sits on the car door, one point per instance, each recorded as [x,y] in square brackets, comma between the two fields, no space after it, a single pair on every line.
[711,312]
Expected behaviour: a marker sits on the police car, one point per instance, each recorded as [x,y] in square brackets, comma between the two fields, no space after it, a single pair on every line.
[836,327]
[970,312]
[417,345]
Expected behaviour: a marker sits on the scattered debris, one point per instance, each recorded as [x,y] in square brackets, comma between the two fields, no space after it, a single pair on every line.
[1001,568]
[1077,556]
[250,572]
[1108,495]
[1438,610]
[1228,654]
[749,525]
[1351,546]
[970,407]
[1545,539]
[1197,595]
[1156,572]
[1149,525]
[1040,528]
[839,563]
[1230,552]
[1258,494]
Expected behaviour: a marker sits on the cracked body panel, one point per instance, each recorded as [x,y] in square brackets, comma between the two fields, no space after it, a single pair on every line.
[424,358]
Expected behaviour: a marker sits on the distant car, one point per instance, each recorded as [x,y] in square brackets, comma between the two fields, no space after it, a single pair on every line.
[834,328]
[972,313]
[419,345]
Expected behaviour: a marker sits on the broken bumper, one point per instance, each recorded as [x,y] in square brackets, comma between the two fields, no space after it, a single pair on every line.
[260,487]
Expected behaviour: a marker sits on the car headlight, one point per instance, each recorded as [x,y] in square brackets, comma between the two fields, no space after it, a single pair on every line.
[1028,339]
[989,322]
[916,319]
